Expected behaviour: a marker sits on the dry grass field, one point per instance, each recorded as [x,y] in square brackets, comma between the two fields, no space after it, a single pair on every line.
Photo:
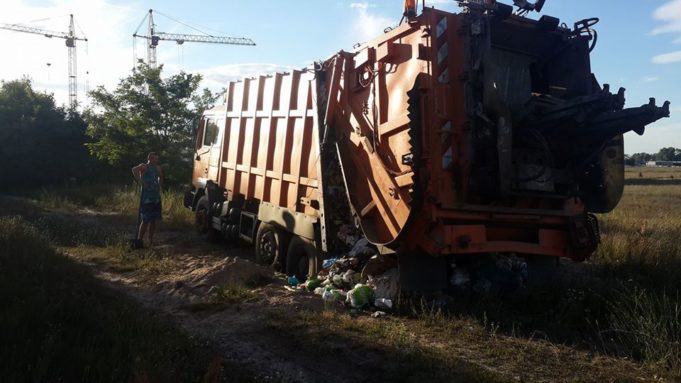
[616,317]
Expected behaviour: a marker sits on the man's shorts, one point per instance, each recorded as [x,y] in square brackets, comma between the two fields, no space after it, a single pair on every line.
[150,212]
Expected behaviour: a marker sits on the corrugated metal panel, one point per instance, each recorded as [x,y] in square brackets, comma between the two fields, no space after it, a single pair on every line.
[271,144]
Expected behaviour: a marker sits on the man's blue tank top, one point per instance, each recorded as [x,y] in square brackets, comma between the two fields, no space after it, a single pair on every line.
[150,188]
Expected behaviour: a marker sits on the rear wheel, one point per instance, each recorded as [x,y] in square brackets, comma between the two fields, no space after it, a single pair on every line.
[302,259]
[270,246]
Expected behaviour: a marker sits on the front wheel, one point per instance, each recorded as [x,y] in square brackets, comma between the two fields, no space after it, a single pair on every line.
[270,246]
[202,220]
[201,215]
[302,259]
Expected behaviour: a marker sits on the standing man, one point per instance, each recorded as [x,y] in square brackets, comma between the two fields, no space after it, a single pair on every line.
[150,176]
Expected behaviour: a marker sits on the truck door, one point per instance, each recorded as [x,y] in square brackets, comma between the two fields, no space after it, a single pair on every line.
[216,150]
[206,149]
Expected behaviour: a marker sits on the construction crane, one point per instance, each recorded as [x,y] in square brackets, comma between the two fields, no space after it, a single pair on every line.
[153,37]
[71,39]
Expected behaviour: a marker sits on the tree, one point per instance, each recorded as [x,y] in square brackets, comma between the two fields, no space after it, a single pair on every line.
[668,154]
[40,144]
[638,159]
[147,113]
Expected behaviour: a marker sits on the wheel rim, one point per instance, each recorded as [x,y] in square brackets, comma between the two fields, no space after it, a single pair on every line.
[267,248]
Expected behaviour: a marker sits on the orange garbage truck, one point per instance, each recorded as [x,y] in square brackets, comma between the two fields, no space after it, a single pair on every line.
[450,135]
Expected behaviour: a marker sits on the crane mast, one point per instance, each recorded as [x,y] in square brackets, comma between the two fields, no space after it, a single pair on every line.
[153,37]
[73,65]
[70,39]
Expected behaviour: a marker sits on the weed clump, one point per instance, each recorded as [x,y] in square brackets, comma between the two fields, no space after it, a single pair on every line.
[648,325]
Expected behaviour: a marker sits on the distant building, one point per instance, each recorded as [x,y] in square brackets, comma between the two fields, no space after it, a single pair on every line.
[653,164]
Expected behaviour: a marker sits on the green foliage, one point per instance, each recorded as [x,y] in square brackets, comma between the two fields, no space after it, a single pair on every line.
[664,154]
[637,159]
[40,144]
[147,113]
[668,154]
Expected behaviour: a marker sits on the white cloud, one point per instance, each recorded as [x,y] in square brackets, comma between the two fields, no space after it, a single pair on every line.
[107,55]
[361,5]
[670,16]
[217,77]
[367,25]
[657,135]
[667,58]
[650,79]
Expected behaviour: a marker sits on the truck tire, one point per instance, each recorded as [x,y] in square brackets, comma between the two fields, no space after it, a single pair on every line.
[202,220]
[201,215]
[270,246]
[302,259]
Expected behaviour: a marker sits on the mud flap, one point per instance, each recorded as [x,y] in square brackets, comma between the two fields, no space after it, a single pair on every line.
[420,272]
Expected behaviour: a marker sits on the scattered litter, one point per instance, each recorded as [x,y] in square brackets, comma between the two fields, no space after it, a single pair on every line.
[355,278]
[348,235]
[313,283]
[292,281]
[297,289]
[460,277]
[348,277]
[328,296]
[499,273]
[387,285]
[377,265]
[383,303]
[482,286]
[328,263]
[331,295]
[337,280]
[362,249]
[360,296]
[379,314]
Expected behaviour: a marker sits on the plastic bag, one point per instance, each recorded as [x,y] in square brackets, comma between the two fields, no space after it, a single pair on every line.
[313,283]
[383,303]
[328,263]
[360,296]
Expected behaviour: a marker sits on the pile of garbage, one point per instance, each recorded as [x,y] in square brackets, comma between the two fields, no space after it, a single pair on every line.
[495,273]
[360,278]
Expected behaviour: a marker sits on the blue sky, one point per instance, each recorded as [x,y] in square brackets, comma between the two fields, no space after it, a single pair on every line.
[639,43]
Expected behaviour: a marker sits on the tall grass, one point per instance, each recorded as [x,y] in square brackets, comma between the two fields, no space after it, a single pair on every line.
[57,322]
[120,199]
[649,325]
[640,255]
